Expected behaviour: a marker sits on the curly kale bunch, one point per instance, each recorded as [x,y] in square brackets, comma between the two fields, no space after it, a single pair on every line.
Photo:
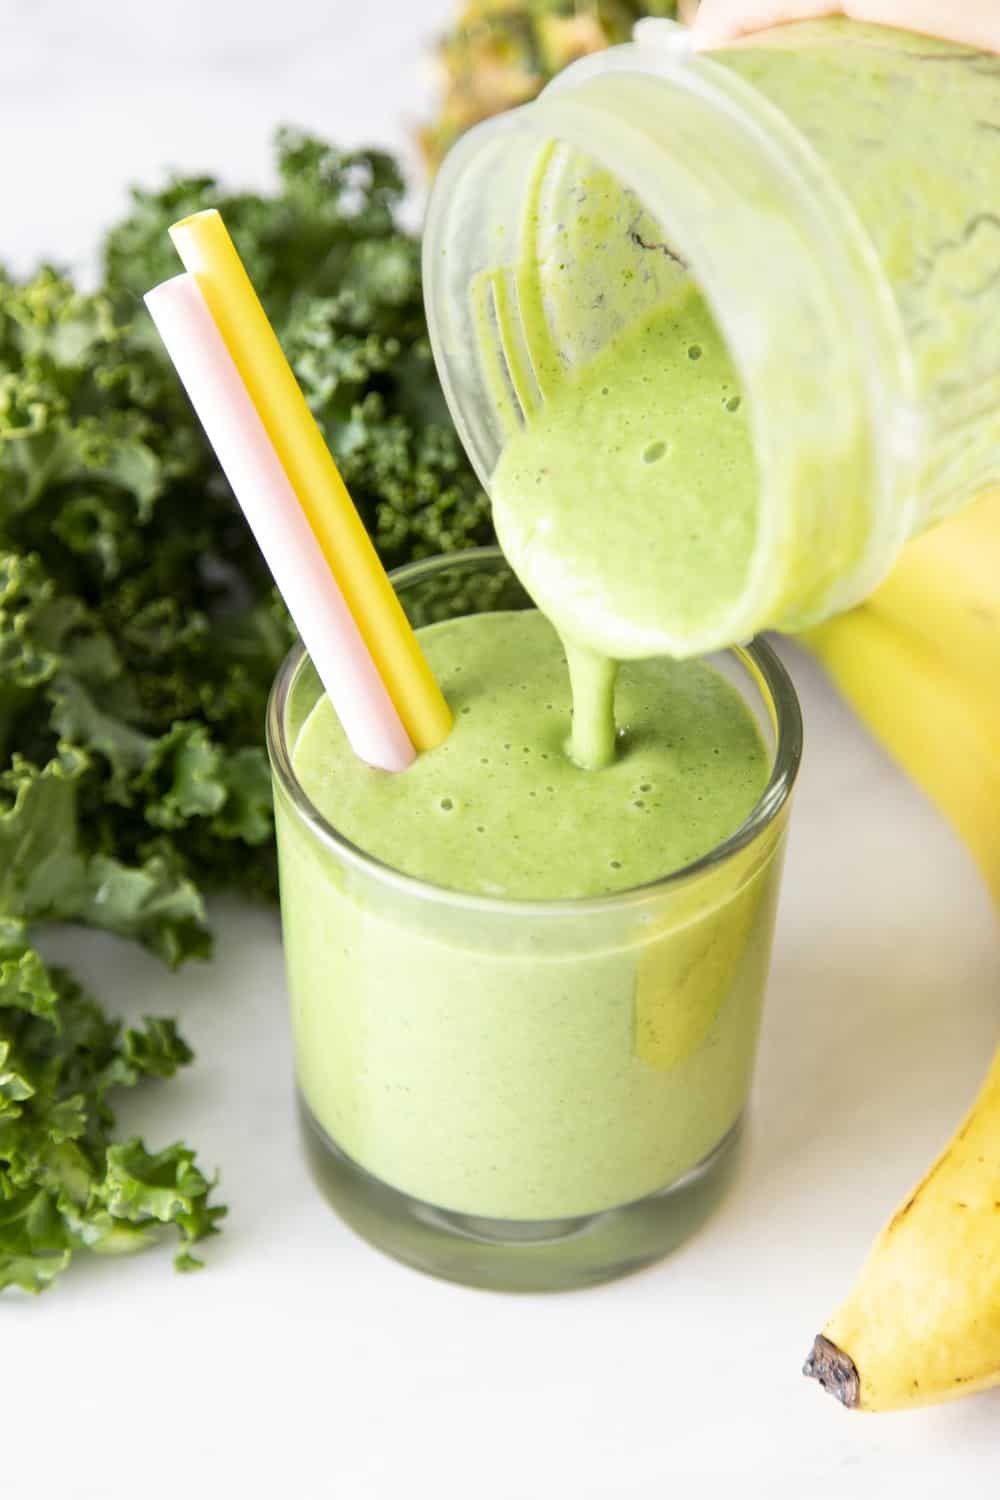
[139,633]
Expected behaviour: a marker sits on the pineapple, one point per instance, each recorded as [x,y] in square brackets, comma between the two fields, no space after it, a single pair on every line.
[503,52]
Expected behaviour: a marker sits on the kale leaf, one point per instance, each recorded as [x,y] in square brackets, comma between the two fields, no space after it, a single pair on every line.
[65,1185]
[139,634]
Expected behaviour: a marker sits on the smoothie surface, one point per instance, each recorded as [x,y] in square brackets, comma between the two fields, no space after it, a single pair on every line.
[500,810]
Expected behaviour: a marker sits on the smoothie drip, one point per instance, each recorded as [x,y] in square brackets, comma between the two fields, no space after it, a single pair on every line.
[628,492]
[593,737]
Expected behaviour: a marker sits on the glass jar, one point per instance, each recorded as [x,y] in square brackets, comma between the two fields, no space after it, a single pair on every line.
[830,190]
[524,1095]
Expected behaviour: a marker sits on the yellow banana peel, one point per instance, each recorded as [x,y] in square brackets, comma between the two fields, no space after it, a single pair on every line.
[945,592]
[920,663]
[922,1323]
[940,723]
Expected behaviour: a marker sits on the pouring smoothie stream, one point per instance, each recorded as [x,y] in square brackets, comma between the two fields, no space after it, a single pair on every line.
[715,364]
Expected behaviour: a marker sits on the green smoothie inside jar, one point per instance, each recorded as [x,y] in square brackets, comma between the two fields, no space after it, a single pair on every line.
[720,333]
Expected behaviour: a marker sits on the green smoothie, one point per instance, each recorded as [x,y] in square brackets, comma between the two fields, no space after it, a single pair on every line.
[632,490]
[500,809]
[510,1065]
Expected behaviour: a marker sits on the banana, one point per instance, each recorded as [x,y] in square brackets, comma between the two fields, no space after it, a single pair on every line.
[932,716]
[945,591]
[922,1323]
[920,663]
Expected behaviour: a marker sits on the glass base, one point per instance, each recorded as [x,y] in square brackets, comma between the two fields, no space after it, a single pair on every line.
[509,1255]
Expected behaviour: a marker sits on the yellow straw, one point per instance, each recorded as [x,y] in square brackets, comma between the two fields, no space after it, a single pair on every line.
[204,246]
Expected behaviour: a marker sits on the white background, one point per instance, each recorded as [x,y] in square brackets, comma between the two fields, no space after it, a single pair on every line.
[301,1363]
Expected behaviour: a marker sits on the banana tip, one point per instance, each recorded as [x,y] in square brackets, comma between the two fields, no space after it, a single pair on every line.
[835,1371]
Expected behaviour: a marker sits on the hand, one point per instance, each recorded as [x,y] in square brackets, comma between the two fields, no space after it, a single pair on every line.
[974,22]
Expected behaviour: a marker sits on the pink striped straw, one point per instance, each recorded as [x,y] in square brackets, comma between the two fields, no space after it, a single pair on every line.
[266,497]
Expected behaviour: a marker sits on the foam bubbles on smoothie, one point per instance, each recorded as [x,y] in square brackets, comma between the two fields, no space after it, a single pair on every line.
[552,830]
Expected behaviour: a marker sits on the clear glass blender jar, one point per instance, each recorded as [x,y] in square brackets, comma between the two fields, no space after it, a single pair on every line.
[831,190]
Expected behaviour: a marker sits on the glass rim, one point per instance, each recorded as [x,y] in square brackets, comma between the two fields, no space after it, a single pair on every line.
[763,663]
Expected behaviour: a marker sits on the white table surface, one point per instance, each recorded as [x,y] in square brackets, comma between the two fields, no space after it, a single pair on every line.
[302,1363]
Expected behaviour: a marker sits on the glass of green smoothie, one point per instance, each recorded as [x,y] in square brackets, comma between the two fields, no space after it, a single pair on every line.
[525,997]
